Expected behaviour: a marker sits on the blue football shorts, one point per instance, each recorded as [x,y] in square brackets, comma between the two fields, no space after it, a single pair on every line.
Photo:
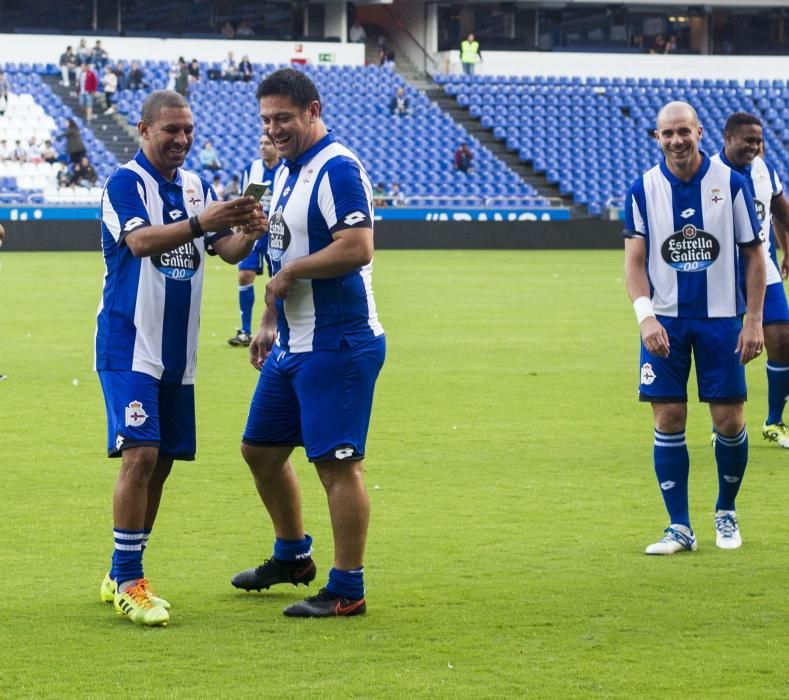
[143,410]
[320,399]
[776,310]
[711,341]
[256,258]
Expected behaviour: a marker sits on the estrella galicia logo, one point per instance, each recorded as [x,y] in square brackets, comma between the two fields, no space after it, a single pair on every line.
[178,264]
[278,235]
[690,249]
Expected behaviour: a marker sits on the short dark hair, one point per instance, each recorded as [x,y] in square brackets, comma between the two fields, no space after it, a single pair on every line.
[289,83]
[158,100]
[738,119]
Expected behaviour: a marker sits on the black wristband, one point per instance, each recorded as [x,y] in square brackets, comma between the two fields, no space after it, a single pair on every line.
[197,229]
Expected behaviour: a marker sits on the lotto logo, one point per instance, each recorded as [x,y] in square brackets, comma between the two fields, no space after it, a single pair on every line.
[356,218]
[687,213]
[343,453]
[133,223]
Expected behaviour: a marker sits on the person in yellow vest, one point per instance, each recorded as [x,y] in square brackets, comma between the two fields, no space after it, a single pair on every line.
[469,54]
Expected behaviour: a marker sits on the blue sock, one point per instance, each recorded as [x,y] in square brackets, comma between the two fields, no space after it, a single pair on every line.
[731,454]
[777,391]
[672,465]
[127,556]
[146,535]
[246,300]
[292,550]
[348,584]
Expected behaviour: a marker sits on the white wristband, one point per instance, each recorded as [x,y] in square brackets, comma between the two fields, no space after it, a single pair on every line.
[643,308]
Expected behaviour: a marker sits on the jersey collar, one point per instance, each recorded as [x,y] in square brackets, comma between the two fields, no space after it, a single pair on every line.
[311,152]
[700,173]
[145,164]
[737,168]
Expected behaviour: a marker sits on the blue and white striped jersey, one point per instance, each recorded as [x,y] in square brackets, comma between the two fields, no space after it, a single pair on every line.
[763,184]
[692,230]
[325,190]
[148,317]
[256,171]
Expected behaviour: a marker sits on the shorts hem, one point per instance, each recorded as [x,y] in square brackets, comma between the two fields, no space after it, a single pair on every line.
[777,322]
[267,443]
[662,399]
[725,400]
[331,456]
[132,443]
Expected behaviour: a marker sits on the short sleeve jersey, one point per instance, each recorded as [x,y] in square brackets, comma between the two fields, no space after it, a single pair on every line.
[148,317]
[323,191]
[257,171]
[763,184]
[693,230]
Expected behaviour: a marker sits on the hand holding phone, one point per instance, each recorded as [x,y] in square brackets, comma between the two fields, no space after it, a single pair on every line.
[256,190]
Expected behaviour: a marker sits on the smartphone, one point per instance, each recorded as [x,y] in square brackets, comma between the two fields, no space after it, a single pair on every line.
[256,190]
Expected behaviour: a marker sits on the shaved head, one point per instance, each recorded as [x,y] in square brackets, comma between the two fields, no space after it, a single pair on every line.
[677,111]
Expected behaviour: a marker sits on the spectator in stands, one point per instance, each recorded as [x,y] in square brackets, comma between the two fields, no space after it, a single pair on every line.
[74,144]
[395,197]
[181,82]
[6,151]
[68,67]
[83,52]
[398,105]
[99,56]
[356,33]
[245,69]
[379,195]
[658,44]
[20,152]
[464,158]
[48,152]
[5,88]
[34,150]
[83,174]
[120,74]
[109,82]
[470,54]
[219,188]
[208,157]
[233,188]
[194,71]
[244,31]
[63,175]
[227,30]
[230,68]
[386,57]
[671,44]
[88,85]
[136,77]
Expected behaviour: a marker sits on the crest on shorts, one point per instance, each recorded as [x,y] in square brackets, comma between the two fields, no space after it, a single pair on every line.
[647,374]
[135,414]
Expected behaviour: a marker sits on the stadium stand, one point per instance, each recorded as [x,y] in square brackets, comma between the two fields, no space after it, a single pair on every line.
[591,137]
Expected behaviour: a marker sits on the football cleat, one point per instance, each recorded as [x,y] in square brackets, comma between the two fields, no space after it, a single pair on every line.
[136,604]
[727,532]
[274,571]
[326,604]
[240,339]
[677,538]
[777,432]
[109,587]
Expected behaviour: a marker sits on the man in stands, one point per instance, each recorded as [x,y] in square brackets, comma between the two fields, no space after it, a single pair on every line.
[398,105]
[159,222]
[687,220]
[470,54]
[743,137]
[136,76]
[319,349]
[88,85]
[84,175]
[463,158]
[68,66]
[208,157]
[264,170]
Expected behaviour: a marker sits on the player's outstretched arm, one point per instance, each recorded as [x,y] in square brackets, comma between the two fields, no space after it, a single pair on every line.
[217,216]
[233,249]
[653,334]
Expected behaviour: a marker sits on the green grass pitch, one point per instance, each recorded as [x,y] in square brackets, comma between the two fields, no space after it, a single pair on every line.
[509,468]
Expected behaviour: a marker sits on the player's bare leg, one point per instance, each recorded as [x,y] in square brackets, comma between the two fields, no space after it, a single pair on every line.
[130,499]
[349,507]
[278,487]
[155,486]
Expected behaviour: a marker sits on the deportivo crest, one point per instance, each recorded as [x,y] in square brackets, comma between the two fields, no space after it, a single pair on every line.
[716,196]
[690,249]
[647,374]
[178,264]
[135,414]
[278,235]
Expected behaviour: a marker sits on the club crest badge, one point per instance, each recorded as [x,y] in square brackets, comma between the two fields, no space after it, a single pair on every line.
[135,414]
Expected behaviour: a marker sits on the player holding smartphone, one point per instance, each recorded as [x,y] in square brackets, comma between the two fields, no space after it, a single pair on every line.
[259,175]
